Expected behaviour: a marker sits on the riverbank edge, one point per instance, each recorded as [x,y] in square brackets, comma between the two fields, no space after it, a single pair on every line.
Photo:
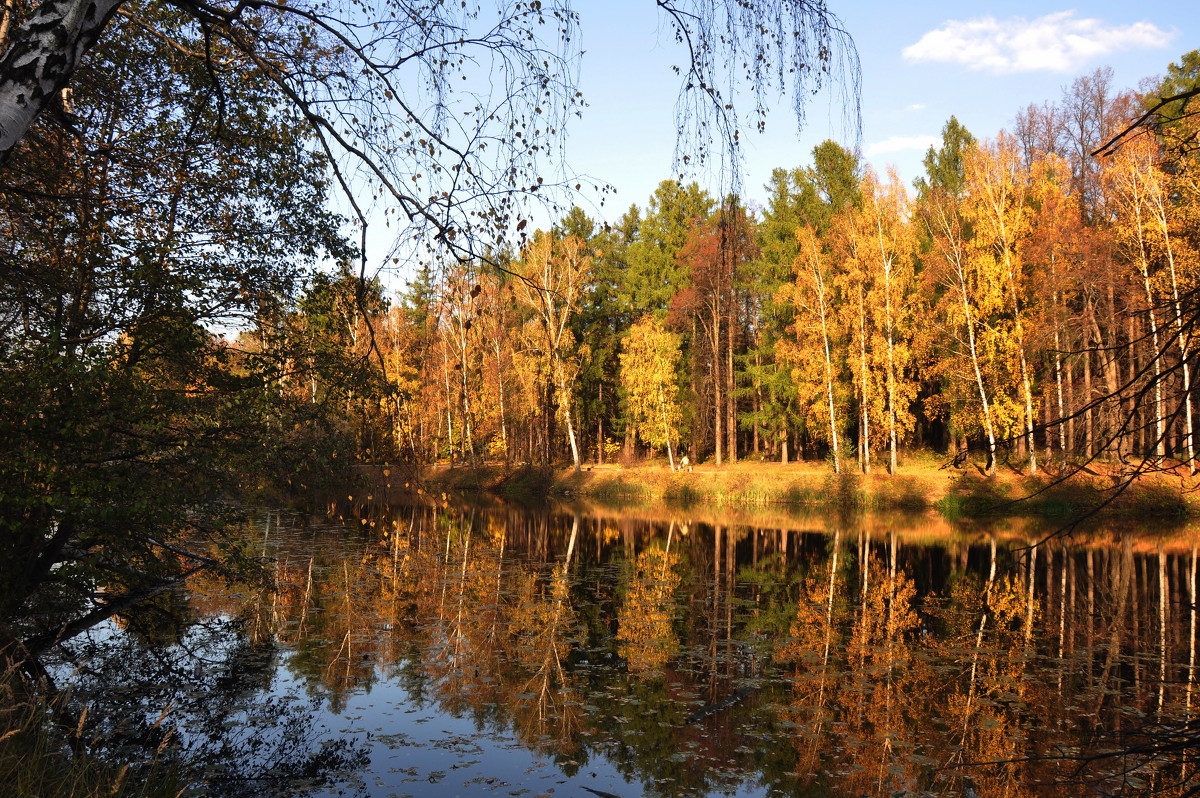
[954,493]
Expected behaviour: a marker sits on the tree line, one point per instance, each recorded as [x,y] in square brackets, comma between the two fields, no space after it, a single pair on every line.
[1025,300]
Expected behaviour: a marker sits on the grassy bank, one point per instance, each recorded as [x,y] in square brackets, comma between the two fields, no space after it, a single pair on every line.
[916,487]
[758,483]
[1161,497]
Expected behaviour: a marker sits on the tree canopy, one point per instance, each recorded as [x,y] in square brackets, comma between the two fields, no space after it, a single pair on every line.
[452,113]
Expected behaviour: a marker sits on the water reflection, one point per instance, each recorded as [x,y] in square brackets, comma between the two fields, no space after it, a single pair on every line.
[492,650]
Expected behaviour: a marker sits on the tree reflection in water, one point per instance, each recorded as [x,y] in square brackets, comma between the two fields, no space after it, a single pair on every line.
[862,656]
[200,700]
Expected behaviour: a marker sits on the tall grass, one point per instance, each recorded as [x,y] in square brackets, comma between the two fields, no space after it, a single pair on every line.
[42,755]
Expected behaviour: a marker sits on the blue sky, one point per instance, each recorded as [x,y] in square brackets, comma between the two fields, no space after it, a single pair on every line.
[921,63]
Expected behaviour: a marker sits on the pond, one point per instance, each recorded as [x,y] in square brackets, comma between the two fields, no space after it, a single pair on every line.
[446,650]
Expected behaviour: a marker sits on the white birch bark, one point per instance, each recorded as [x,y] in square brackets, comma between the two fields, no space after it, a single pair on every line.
[833,439]
[41,56]
[1159,213]
[957,262]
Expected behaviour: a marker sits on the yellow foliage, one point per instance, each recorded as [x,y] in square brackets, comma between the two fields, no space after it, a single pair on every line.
[646,639]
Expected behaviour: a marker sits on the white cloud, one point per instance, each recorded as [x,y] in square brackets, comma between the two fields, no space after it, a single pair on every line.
[916,107]
[902,144]
[1056,42]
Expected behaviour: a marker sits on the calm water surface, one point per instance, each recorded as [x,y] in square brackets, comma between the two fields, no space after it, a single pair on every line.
[443,651]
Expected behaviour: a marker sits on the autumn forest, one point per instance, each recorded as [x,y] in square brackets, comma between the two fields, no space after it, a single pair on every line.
[1027,301]
[233,560]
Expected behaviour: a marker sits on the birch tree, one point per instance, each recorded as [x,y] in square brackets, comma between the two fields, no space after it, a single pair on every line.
[997,204]
[812,333]
[855,282]
[553,275]
[649,376]
[1176,283]
[884,223]
[1124,174]
[967,297]
[1065,255]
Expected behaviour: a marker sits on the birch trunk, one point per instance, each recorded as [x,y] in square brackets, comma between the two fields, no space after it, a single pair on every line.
[864,427]
[503,413]
[1160,437]
[988,427]
[819,280]
[891,372]
[564,400]
[1160,216]
[1026,382]
[449,407]
[718,410]
[1058,384]
[730,399]
[889,330]
[466,394]
[662,411]
[41,57]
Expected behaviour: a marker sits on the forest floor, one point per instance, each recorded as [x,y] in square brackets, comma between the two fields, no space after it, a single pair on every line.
[923,482]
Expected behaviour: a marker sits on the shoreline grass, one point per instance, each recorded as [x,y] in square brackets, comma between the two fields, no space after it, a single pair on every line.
[918,486]
[40,756]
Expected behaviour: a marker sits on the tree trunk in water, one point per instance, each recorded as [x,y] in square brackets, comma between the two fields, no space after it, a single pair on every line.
[1191,669]
[1029,602]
